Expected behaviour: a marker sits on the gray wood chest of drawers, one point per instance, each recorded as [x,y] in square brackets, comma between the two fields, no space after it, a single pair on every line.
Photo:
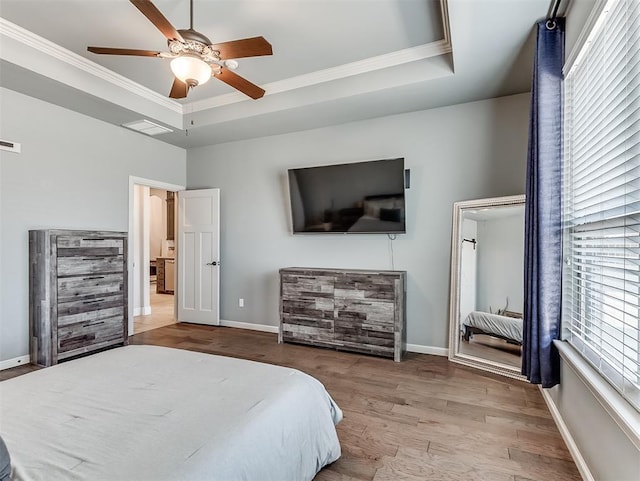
[352,310]
[77,293]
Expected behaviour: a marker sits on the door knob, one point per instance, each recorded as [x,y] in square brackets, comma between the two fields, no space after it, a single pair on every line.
[213,263]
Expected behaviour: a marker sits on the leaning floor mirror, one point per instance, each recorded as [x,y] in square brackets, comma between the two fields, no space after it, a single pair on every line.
[487,284]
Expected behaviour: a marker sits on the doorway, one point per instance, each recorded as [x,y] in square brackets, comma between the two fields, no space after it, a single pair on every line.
[160,241]
[151,254]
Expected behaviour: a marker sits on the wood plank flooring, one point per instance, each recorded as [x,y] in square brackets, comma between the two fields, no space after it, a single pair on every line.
[493,349]
[421,419]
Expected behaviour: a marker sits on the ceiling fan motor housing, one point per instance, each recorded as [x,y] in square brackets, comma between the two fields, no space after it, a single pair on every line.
[191,34]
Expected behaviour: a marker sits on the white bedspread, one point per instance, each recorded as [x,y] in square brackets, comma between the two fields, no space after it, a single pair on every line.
[509,327]
[154,413]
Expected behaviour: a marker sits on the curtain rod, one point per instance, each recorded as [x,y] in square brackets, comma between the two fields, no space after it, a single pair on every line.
[553,13]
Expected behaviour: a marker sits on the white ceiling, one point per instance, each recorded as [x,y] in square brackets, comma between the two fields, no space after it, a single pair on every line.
[334,61]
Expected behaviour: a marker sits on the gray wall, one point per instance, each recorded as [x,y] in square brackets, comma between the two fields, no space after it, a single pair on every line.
[461,152]
[500,263]
[468,270]
[608,452]
[73,172]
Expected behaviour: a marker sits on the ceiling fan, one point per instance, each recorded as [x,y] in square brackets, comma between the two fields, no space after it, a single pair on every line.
[194,58]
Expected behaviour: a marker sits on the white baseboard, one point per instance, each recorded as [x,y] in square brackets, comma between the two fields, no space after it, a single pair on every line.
[142,311]
[581,464]
[16,361]
[249,325]
[436,351]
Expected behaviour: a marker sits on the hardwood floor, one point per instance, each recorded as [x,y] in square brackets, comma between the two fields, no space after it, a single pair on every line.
[421,419]
[493,349]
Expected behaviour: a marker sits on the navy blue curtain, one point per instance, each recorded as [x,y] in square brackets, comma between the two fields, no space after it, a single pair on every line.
[543,229]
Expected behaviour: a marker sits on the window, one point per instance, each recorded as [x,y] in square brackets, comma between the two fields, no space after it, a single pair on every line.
[601,195]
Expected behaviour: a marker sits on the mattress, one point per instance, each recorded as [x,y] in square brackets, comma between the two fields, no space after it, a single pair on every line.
[155,413]
[509,327]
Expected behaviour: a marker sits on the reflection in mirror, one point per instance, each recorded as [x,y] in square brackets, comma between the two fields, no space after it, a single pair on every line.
[487,284]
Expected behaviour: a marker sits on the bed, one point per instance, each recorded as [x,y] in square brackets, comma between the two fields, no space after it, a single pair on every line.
[381,213]
[156,413]
[507,327]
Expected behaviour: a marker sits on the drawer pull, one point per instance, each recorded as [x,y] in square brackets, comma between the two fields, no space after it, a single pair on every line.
[92,302]
[92,278]
[94,239]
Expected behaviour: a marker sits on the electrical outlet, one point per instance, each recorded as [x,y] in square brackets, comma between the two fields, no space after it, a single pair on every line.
[241,302]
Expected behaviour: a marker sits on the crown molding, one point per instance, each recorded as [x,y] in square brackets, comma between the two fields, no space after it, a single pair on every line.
[360,67]
[413,54]
[446,26]
[392,59]
[40,44]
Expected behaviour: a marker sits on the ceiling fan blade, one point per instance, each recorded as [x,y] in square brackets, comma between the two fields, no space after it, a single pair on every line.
[154,15]
[124,51]
[179,89]
[246,47]
[240,83]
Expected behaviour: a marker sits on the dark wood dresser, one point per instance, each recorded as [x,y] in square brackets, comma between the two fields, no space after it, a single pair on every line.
[352,310]
[165,272]
[77,293]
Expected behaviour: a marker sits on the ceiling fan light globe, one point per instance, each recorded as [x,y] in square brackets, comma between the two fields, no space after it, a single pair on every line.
[191,70]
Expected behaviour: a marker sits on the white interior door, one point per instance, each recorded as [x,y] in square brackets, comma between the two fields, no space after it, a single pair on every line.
[198,253]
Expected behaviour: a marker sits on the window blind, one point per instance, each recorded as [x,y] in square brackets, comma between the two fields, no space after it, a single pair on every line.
[601,199]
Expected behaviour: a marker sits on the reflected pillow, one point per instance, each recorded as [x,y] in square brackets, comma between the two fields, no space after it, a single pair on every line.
[372,207]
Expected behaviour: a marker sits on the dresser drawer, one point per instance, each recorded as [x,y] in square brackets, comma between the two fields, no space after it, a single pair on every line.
[308,283]
[309,307]
[378,315]
[81,287]
[94,315]
[84,334]
[89,305]
[300,328]
[81,245]
[366,287]
[88,265]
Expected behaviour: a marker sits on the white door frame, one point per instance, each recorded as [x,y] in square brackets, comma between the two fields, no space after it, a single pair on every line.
[156,184]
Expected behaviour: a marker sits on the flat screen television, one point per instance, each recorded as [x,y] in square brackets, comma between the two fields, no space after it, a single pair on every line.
[357,198]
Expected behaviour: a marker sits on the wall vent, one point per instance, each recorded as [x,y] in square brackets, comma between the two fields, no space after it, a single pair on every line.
[147,127]
[10,146]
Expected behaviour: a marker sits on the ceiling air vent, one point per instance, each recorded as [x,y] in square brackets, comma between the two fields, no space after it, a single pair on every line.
[10,146]
[147,127]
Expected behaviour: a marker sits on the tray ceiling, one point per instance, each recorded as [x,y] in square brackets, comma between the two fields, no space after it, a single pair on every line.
[333,62]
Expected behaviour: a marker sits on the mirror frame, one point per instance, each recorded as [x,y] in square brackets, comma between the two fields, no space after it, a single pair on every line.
[454,303]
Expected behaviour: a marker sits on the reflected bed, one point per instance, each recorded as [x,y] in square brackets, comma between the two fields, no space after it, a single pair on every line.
[508,327]
[148,412]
